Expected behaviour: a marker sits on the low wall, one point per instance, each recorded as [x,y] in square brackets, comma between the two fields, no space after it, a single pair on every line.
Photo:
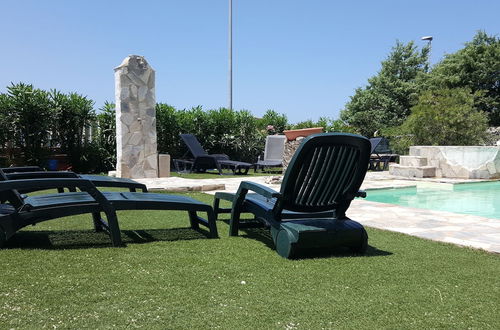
[468,162]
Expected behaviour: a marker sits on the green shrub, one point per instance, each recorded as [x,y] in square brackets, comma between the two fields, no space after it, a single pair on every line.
[442,117]
[74,116]
[31,118]
[328,124]
[235,133]
[273,122]
[104,139]
[167,129]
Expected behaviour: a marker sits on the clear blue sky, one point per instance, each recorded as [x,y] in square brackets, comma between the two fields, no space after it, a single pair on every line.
[302,58]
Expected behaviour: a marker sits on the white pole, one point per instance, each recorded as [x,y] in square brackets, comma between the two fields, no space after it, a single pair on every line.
[230,55]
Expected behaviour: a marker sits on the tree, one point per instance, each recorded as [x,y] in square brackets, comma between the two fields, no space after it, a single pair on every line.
[446,117]
[388,97]
[476,66]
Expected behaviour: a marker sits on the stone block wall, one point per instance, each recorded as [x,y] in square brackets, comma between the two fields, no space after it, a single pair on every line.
[467,162]
[290,148]
[136,140]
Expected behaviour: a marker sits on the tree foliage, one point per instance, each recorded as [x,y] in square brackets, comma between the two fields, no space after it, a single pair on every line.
[388,97]
[235,133]
[446,117]
[476,66]
[73,116]
[279,122]
[30,117]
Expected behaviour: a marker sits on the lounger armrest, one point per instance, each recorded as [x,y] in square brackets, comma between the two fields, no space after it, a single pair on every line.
[40,175]
[239,200]
[41,184]
[6,170]
[259,189]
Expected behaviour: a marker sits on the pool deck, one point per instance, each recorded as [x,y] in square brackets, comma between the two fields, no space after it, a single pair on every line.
[465,230]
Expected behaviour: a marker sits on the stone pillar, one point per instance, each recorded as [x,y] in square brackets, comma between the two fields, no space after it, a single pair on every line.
[136,142]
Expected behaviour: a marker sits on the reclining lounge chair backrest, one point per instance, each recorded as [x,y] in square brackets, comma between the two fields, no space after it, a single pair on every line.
[275,146]
[325,173]
[193,145]
[379,145]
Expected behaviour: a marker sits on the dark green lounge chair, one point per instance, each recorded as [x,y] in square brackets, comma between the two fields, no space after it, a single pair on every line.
[323,177]
[36,172]
[202,161]
[21,211]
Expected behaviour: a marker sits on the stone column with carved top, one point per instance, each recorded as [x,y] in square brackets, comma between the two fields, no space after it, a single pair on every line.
[136,141]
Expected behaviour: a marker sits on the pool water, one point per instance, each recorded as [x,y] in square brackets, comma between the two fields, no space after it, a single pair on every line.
[482,199]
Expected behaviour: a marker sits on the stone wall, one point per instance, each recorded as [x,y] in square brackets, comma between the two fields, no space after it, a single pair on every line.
[290,148]
[467,162]
[136,140]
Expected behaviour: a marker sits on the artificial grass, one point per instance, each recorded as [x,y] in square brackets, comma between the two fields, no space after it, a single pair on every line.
[60,274]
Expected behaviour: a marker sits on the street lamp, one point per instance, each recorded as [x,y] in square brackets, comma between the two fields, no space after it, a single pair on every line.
[427,38]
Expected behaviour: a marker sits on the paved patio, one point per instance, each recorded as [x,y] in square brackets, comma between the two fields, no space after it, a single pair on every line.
[466,230]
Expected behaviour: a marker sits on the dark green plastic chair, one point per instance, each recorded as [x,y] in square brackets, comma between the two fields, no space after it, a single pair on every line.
[323,177]
[20,211]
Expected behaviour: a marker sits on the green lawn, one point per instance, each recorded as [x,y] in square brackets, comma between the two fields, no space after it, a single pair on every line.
[59,274]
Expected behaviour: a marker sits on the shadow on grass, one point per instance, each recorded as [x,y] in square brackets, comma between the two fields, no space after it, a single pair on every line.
[263,235]
[85,239]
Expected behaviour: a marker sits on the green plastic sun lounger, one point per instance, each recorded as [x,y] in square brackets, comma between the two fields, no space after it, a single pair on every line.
[202,161]
[20,211]
[309,212]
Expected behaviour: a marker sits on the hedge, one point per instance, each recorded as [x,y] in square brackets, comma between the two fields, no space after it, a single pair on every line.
[36,124]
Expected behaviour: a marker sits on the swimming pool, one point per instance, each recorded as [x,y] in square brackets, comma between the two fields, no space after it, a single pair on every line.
[482,199]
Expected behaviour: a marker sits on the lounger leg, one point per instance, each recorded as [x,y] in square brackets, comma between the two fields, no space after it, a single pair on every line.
[114,229]
[219,167]
[216,208]
[193,219]
[234,223]
[97,222]
[236,209]
[212,224]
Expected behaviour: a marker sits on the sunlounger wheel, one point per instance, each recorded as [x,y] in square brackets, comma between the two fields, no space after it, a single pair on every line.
[284,245]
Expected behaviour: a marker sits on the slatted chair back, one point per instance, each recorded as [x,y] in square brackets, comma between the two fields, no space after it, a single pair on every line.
[12,196]
[379,145]
[193,145]
[325,173]
[275,147]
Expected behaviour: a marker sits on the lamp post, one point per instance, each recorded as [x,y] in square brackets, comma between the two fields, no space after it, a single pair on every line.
[429,39]
[230,73]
